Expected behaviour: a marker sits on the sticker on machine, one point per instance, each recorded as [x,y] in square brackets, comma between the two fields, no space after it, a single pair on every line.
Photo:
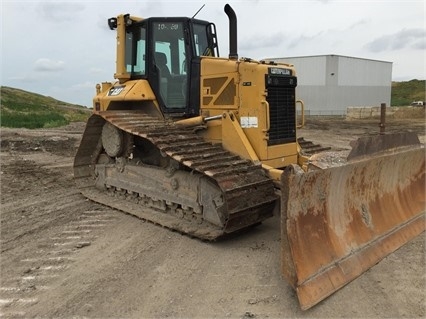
[248,121]
[114,91]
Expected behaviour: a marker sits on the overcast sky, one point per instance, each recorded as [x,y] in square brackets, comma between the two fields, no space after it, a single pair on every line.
[63,48]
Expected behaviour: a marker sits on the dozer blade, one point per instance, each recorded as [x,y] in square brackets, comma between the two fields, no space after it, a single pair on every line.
[338,222]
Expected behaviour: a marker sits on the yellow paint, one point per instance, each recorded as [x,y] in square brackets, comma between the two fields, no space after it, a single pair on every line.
[237,88]
[121,73]
[133,92]
[234,139]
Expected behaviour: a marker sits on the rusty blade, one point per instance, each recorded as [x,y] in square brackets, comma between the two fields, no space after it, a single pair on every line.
[368,145]
[339,222]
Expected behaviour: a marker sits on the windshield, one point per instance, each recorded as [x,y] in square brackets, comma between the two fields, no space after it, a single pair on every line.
[170,62]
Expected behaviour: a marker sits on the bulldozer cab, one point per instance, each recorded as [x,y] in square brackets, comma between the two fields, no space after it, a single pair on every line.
[166,52]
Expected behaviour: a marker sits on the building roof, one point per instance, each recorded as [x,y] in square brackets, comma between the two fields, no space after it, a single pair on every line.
[325,55]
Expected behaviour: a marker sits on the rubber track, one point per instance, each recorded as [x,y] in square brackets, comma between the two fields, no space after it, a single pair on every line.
[248,192]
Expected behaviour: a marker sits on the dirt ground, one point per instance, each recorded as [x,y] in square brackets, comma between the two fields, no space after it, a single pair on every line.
[63,256]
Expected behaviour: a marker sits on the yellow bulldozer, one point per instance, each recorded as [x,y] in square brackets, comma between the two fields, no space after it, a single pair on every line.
[208,146]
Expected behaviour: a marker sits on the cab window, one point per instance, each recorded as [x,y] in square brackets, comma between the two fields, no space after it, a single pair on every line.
[136,51]
[170,62]
[205,40]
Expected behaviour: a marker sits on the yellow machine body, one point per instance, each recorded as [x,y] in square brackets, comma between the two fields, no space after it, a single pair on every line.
[239,122]
[236,90]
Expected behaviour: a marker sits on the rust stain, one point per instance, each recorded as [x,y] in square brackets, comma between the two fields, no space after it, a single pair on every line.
[341,221]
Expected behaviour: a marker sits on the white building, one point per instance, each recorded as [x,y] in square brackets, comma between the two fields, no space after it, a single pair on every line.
[328,84]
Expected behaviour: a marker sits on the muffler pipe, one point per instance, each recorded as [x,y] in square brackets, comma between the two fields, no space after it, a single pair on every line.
[233,54]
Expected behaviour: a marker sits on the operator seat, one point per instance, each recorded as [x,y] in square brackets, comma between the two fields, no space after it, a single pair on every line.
[163,75]
[161,64]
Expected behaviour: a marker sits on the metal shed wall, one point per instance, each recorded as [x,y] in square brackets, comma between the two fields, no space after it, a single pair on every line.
[328,84]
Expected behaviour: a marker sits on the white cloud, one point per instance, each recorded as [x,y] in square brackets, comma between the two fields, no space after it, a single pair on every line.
[84,85]
[359,23]
[48,65]
[263,42]
[28,78]
[96,70]
[59,11]
[406,38]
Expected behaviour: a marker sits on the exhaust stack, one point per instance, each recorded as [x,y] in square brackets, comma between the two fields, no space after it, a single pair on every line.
[233,54]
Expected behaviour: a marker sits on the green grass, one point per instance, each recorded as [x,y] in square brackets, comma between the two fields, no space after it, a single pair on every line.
[404,93]
[24,109]
[32,120]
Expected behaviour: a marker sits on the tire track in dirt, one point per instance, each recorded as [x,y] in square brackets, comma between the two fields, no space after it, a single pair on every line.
[45,221]
[41,266]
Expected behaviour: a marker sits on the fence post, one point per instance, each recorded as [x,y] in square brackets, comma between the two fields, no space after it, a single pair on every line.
[382,118]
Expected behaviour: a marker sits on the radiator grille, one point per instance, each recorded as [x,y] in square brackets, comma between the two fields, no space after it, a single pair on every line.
[282,109]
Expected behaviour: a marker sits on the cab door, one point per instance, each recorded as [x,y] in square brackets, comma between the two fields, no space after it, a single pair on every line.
[168,52]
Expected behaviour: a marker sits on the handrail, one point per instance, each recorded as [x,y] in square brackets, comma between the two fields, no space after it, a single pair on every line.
[302,107]
[267,126]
